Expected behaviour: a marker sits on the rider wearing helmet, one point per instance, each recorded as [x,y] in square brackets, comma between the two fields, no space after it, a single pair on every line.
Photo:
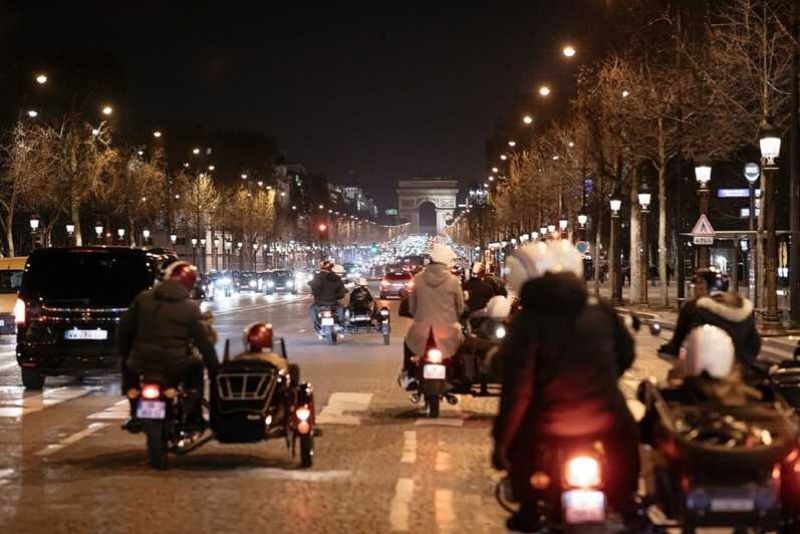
[160,330]
[328,289]
[714,304]
[481,287]
[258,345]
[361,300]
[562,357]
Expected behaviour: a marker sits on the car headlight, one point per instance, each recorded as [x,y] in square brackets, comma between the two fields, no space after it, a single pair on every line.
[253,283]
[226,281]
[270,283]
[289,283]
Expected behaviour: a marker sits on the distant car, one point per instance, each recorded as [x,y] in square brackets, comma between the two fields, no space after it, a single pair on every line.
[394,283]
[69,305]
[248,281]
[10,280]
[279,281]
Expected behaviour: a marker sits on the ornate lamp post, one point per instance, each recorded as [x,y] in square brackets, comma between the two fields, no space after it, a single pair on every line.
[98,230]
[702,173]
[146,236]
[70,232]
[752,172]
[563,222]
[194,250]
[121,235]
[613,252]
[644,203]
[770,142]
[35,231]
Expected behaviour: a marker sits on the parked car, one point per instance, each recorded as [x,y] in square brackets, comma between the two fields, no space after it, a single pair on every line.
[394,283]
[279,281]
[10,280]
[69,304]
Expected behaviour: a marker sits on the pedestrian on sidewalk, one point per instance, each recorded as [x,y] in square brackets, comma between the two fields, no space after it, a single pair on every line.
[714,304]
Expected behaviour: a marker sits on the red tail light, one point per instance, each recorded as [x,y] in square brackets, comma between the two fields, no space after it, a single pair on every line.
[151,391]
[583,472]
[19,311]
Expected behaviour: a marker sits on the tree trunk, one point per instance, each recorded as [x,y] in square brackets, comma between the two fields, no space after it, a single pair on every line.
[75,215]
[635,256]
[9,224]
[131,232]
[662,214]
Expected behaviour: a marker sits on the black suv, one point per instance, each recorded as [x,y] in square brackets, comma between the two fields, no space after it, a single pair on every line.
[73,299]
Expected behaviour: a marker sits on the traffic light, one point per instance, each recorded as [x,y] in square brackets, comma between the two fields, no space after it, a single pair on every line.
[374,248]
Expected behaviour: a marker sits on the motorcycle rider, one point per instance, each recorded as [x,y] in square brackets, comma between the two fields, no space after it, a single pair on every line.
[436,304]
[157,332]
[327,289]
[361,300]
[562,358]
[481,287]
[714,304]
[258,344]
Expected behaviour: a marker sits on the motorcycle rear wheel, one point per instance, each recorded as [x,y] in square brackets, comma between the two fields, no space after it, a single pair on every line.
[432,403]
[156,446]
[307,451]
[386,339]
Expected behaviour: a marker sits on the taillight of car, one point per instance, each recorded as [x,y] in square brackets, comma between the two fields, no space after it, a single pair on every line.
[19,311]
[583,472]
[151,391]
[434,355]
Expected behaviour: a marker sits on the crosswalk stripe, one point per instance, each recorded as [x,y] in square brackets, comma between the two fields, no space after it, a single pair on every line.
[116,412]
[339,403]
[15,403]
[399,510]
[70,440]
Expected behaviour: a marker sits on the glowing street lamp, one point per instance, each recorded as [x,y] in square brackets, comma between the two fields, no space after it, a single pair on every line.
[568,51]
[32,113]
[503,157]
[107,110]
[41,79]
[527,120]
[512,143]
[770,144]
[98,229]
[70,229]
[544,90]
[157,134]
[34,222]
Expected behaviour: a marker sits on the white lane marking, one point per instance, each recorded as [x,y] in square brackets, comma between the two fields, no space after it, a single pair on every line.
[440,421]
[399,509]
[14,402]
[116,412]
[274,473]
[409,447]
[260,306]
[5,474]
[9,365]
[341,402]
[445,514]
[69,440]
[442,459]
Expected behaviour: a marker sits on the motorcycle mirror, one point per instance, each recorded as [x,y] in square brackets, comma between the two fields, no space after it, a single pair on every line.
[655,328]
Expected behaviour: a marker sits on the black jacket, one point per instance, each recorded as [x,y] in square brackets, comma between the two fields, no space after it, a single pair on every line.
[480,290]
[562,359]
[158,331]
[327,288]
[361,299]
[728,311]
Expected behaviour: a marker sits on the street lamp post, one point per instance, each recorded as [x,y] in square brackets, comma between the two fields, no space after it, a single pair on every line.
[770,143]
[703,175]
[194,250]
[644,203]
[70,232]
[146,236]
[34,230]
[582,220]
[205,252]
[613,253]
[563,223]
[98,230]
[752,172]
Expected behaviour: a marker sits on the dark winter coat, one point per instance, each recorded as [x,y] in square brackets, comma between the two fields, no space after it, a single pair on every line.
[562,359]
[480,290]
[728,311]
[327,288]
[160,328]
[361,300]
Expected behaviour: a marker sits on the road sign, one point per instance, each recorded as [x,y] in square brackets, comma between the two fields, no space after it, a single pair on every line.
[582,246]
[702,228]
[703,240]
[752,172]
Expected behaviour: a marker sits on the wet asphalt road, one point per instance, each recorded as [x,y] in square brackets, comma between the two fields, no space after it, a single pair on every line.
[381,466]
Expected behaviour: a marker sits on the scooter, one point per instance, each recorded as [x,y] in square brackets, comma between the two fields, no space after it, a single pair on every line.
[328,324]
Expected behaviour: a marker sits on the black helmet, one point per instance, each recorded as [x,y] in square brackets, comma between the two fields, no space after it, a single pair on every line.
[716,282]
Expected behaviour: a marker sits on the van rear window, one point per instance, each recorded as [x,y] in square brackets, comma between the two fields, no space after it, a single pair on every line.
[93,278]
[10,281]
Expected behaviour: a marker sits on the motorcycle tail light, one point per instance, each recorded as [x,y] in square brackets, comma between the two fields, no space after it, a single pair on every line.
[303,413]
[540,481]
[500,332]
[151,391]
[19,311]
[327,313]
[583,472]
[384,312]
[434,355]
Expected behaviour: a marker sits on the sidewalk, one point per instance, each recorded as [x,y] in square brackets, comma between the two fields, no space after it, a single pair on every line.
[774,349]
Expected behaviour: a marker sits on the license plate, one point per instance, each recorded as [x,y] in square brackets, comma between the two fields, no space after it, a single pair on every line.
[327,321]
[77,334]
[434,372]
[584,506]
[149,409]
[361,318]
[732,505]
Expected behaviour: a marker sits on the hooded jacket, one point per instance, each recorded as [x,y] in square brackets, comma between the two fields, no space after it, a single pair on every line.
[728,311]
[327,288]
[158,331]
[562,358]
[435,303]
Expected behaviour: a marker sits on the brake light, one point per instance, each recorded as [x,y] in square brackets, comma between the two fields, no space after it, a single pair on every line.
[384,312]
[434,355]
[19,311]
[151,391]
[327,313]
[583,472]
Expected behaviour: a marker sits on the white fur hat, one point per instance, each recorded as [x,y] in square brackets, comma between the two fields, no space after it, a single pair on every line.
[710,349]
[535,259]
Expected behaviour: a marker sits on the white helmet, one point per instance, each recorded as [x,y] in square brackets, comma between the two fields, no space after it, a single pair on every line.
[535,259]
[498,307]
[338,269]
[361,281]
[710,349]
[442,254]
[478,267]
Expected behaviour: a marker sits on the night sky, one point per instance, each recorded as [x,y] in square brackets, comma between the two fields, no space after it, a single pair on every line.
[372,94]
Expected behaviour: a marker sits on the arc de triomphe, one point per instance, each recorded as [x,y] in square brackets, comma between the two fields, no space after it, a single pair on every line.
[418,194]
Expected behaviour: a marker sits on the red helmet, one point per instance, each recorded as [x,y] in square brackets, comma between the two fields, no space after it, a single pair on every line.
[182,272]
[326,265]
[258,337]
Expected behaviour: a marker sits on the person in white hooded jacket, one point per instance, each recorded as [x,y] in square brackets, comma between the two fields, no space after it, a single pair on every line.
[436,304]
